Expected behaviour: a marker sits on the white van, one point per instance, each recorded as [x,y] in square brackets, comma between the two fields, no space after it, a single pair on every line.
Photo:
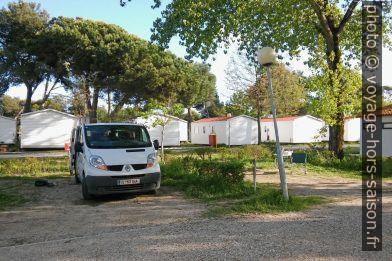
[110,158]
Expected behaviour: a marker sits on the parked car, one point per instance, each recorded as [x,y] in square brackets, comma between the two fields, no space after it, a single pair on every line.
[110,158]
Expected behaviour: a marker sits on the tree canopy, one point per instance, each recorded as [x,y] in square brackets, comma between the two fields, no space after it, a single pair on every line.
[251,93]
[20,27]
[328,30]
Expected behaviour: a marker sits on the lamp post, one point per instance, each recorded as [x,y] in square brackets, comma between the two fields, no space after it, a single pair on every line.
[266,57]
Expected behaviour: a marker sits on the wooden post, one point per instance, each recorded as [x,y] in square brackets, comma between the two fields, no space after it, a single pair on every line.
[254,175]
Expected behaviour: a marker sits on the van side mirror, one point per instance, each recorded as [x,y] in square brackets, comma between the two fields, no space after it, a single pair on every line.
[78,147]
[156,144]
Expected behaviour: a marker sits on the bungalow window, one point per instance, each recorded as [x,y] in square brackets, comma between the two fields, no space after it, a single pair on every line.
[387,125]
[212,129]
[204,129]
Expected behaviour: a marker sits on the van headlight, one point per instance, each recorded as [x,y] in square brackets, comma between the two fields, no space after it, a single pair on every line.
[151,159]
[97,162]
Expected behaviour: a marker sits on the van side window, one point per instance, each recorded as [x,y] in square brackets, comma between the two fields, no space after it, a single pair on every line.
[78,135]
[73,135]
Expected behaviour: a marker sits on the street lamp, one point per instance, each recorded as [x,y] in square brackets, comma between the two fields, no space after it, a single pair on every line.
[266,57]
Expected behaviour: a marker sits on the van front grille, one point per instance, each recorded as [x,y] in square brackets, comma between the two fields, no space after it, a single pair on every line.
[120,167]
[115,167]
[129,176]
[121,188]
[139,166]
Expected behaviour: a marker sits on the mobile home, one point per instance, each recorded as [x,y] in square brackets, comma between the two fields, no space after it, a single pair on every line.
[7,130]
[48,129]
[175,130]
[293,129]
[352,129]
[386,114]
[238,130]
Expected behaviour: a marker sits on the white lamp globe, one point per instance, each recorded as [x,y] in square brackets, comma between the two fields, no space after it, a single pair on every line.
[266,56]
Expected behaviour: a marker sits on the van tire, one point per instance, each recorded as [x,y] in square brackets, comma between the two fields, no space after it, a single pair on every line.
[77,180]
[85,193]
[152,192]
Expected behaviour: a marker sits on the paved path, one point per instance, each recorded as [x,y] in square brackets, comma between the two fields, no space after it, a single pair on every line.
[33,154]
[61,226]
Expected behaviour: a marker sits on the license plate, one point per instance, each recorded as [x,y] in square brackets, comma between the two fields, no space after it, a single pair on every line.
[128,182]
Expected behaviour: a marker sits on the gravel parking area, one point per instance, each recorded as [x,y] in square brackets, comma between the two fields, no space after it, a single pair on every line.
[61,226]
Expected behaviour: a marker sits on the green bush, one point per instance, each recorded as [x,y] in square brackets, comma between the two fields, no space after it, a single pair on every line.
[205,152]
[327,158]
[231,171]
[250,152]
[225,171]
[246,153]
[210,184]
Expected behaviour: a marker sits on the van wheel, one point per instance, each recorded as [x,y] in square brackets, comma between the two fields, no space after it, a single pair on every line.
[85,193]
[152,192]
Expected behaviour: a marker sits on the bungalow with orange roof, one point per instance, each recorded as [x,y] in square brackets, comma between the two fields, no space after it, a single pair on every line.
[229,130]
[293,129]
[386,114]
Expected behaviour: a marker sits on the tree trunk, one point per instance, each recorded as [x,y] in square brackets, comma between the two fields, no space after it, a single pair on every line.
[162,150]
[87,99]
[109,106]
[258,125]
[27,105]
[336,137]
[119,105]
[336,133]
[189,123]
[47,92]
[94,106]
[46,95]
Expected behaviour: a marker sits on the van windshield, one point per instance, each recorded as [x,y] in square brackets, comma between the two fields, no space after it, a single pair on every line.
[116,136]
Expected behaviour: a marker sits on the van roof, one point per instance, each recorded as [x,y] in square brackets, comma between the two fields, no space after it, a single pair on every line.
[114,123]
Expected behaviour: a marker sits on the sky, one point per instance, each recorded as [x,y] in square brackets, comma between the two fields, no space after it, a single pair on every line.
[137,18]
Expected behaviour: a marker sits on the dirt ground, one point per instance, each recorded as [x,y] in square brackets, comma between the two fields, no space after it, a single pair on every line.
[59,225]
[59,212]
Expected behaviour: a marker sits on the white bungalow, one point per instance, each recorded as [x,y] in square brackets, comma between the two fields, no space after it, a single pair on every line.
[352,129]
[46,129]
[175,130]
[386,115]
[293,129]
[238,130]
[7,130]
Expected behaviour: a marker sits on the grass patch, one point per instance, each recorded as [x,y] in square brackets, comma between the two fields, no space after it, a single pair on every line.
[267,200]
[8,200]
[230,197]
[333,168]
[28,168]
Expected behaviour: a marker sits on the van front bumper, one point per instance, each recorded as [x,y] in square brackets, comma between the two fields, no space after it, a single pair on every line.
[101,185]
